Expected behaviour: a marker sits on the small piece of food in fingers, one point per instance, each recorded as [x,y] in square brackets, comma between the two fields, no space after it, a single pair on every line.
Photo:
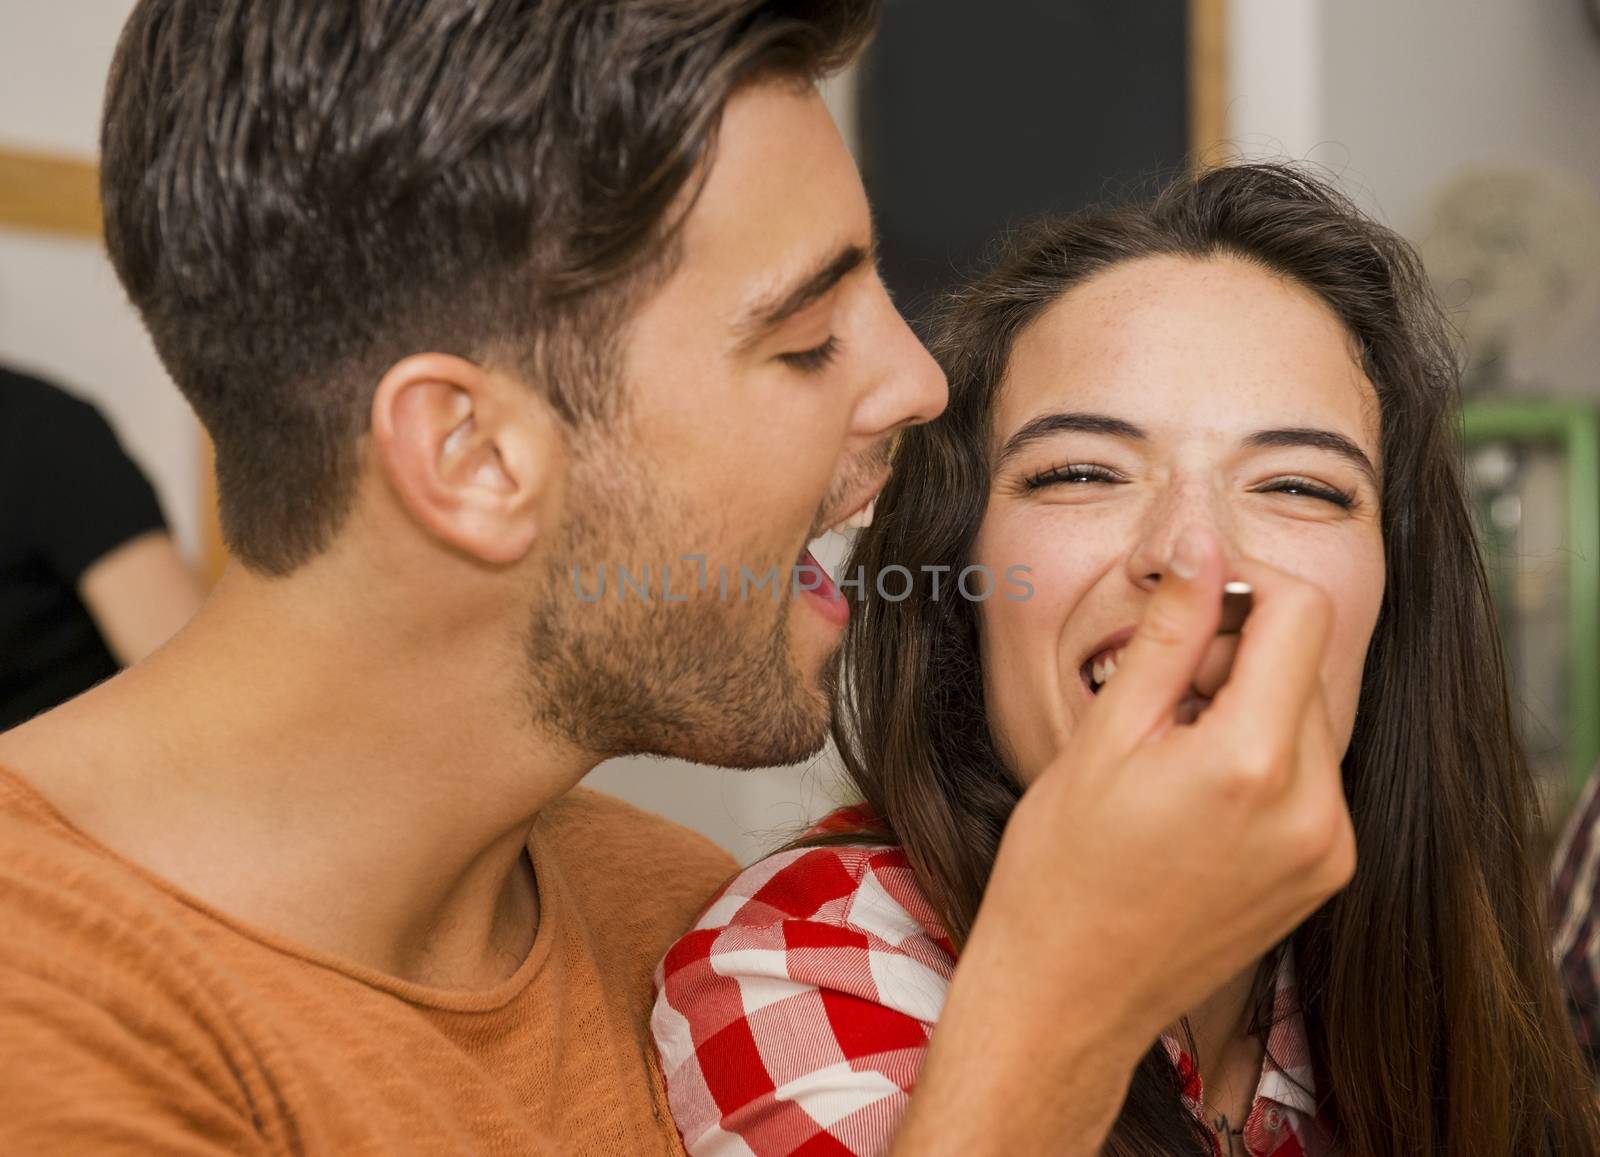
[1236,600]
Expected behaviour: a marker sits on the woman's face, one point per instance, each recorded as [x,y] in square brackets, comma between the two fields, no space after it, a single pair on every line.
[1164,394]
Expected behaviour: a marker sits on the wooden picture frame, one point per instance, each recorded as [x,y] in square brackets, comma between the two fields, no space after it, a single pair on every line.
[54,194]
[1208,81]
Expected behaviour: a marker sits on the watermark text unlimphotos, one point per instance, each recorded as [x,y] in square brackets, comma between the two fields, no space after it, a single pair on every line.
[894,583]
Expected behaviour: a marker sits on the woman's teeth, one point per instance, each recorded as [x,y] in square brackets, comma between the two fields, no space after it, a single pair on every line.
[1101,670]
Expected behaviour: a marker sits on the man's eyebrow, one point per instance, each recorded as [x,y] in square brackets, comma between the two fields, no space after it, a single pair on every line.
[778,307]
[1319,440]
[1068,422]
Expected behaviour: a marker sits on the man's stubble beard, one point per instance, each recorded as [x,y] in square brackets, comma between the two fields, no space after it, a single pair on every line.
[710,680]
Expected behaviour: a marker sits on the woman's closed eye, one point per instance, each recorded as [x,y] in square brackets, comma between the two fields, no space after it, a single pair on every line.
[1087,474]
[1073,474]
[1299,487]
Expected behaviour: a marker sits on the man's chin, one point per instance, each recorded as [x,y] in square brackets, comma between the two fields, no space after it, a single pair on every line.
[787,725]
[799,735]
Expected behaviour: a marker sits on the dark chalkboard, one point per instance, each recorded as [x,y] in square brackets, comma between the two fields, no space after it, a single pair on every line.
[976,114]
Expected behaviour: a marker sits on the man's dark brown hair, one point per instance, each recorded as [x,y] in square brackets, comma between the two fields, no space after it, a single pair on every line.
[300,193]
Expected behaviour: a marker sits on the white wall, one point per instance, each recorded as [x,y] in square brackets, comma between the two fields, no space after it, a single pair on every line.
[53,61]
[1397,97]
[1418,91]
[1274,77]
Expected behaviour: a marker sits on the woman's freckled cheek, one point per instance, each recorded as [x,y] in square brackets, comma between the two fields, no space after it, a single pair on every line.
[1032,687]
[1349,568]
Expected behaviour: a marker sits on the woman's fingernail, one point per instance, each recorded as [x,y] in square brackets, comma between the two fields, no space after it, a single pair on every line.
[1187,555]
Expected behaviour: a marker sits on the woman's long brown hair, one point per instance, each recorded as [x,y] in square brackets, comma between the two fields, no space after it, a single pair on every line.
[1426,986]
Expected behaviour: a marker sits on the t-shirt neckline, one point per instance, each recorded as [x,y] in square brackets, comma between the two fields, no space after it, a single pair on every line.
[25,796]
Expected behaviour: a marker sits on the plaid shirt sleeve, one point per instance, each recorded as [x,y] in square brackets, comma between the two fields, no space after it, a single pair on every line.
[1575,878]
[795,1017]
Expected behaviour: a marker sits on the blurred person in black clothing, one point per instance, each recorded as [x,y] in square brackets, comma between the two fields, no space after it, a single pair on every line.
[90,580]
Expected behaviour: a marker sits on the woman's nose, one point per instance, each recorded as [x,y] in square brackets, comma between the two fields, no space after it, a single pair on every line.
[1150,557]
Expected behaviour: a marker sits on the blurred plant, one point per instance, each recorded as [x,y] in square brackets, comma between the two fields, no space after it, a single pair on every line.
[1515,255]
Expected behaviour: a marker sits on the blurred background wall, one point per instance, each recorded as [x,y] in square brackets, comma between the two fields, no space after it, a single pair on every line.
[1398,100]
[1412,95]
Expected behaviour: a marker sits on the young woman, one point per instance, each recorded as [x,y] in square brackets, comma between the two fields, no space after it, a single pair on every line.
[1249,354]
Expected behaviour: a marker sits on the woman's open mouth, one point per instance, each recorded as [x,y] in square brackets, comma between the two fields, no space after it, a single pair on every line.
[1100,667]
[1102,662]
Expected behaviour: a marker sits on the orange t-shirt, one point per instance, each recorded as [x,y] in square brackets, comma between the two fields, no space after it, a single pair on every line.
[135,1019]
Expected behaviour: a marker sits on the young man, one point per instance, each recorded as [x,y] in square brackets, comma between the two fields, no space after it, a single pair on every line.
[475,299]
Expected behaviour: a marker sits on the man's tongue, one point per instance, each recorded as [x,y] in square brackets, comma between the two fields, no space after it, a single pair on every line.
[816,579]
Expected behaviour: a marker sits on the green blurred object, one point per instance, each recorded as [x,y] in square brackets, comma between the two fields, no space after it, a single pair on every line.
[1573,430]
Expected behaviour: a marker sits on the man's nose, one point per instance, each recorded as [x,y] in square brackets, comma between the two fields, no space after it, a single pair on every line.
[909,387]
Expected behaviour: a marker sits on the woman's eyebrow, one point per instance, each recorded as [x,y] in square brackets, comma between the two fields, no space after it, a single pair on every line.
[1316,439]
[1068,422]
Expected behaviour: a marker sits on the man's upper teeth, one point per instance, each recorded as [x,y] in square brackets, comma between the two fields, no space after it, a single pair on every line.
[1103,669]
[860,519]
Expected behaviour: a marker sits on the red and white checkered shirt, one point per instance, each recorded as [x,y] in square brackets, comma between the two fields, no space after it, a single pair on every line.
[1575,918]
[795,1017]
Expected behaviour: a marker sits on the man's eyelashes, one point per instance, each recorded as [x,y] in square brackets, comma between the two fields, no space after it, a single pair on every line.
[814,360]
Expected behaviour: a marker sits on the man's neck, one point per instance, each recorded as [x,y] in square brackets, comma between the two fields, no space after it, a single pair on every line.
[364,792]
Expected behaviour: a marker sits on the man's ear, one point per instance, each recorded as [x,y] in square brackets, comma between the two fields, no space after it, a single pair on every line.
[473,455]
